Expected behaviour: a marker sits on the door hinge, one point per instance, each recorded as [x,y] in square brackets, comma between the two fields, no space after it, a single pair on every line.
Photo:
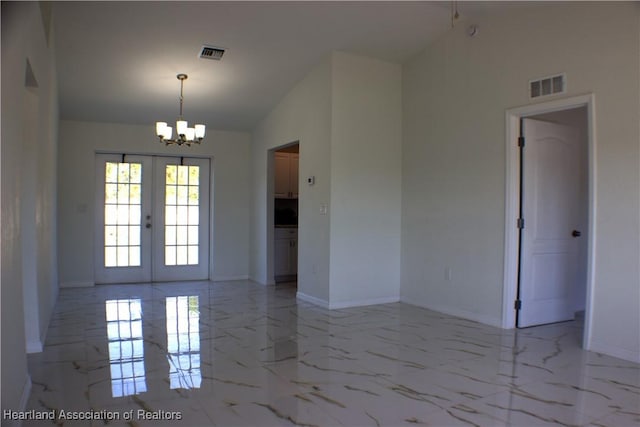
[517,304]
[521,223]
[521,141]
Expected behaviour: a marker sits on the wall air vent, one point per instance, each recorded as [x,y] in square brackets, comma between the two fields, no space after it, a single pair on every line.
[548,86]
[211,52]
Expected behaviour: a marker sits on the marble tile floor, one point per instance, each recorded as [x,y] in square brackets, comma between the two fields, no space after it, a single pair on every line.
[240,354]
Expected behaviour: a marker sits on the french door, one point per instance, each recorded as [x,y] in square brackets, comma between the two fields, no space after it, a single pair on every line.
[152,218]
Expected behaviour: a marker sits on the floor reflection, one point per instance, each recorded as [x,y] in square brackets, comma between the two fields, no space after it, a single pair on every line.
[126,346]
[183,341]
[260,357]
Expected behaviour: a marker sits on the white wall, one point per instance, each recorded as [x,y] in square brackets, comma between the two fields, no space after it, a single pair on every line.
[454,99]
[303,115]
[78,144]
[346,114]
[366,181]
[29,131]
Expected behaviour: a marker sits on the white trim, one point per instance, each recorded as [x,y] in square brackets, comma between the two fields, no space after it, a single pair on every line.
[621,353]
[26,392]
[212,218]
[511,203]
[457,312]
[512,180]
[77,284]
[363,302]
[229,278]
[313,300]
[270,203]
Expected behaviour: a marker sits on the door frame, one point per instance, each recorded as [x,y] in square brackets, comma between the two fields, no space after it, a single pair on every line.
[512,198]
[271,174]
[98,228]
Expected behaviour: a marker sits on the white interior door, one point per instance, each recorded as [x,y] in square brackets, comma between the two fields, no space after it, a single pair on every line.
[551,204]
[152,219]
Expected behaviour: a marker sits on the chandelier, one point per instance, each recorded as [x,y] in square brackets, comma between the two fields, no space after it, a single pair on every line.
[184,134]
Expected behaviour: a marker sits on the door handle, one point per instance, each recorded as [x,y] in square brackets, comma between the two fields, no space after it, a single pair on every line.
[576,233]
[147,225]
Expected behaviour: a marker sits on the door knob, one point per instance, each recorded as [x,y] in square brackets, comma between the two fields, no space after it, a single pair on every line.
[576,233]
[148,225]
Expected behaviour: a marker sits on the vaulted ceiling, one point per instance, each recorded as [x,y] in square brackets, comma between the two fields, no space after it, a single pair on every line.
[118,61]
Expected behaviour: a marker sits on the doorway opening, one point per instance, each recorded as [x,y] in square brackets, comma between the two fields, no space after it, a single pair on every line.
[550,210]
[285,214]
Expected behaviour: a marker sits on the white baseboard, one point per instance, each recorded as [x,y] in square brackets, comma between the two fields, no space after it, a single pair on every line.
[345,304]
[77,284]
[620,353]
[34,347]
[362,303]
[313,300]
[38,346]
[469,315]
[229,278]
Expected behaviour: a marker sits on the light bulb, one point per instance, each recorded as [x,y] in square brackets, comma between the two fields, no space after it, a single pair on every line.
[190,133]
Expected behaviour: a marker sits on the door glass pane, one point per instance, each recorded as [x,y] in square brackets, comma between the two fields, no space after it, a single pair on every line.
[122,211]
[126,350]
[136,173]
[170,255]
[170,235]
[182,203]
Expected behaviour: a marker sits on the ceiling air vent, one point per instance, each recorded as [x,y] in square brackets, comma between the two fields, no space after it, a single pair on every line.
[548,86]
[211,52]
